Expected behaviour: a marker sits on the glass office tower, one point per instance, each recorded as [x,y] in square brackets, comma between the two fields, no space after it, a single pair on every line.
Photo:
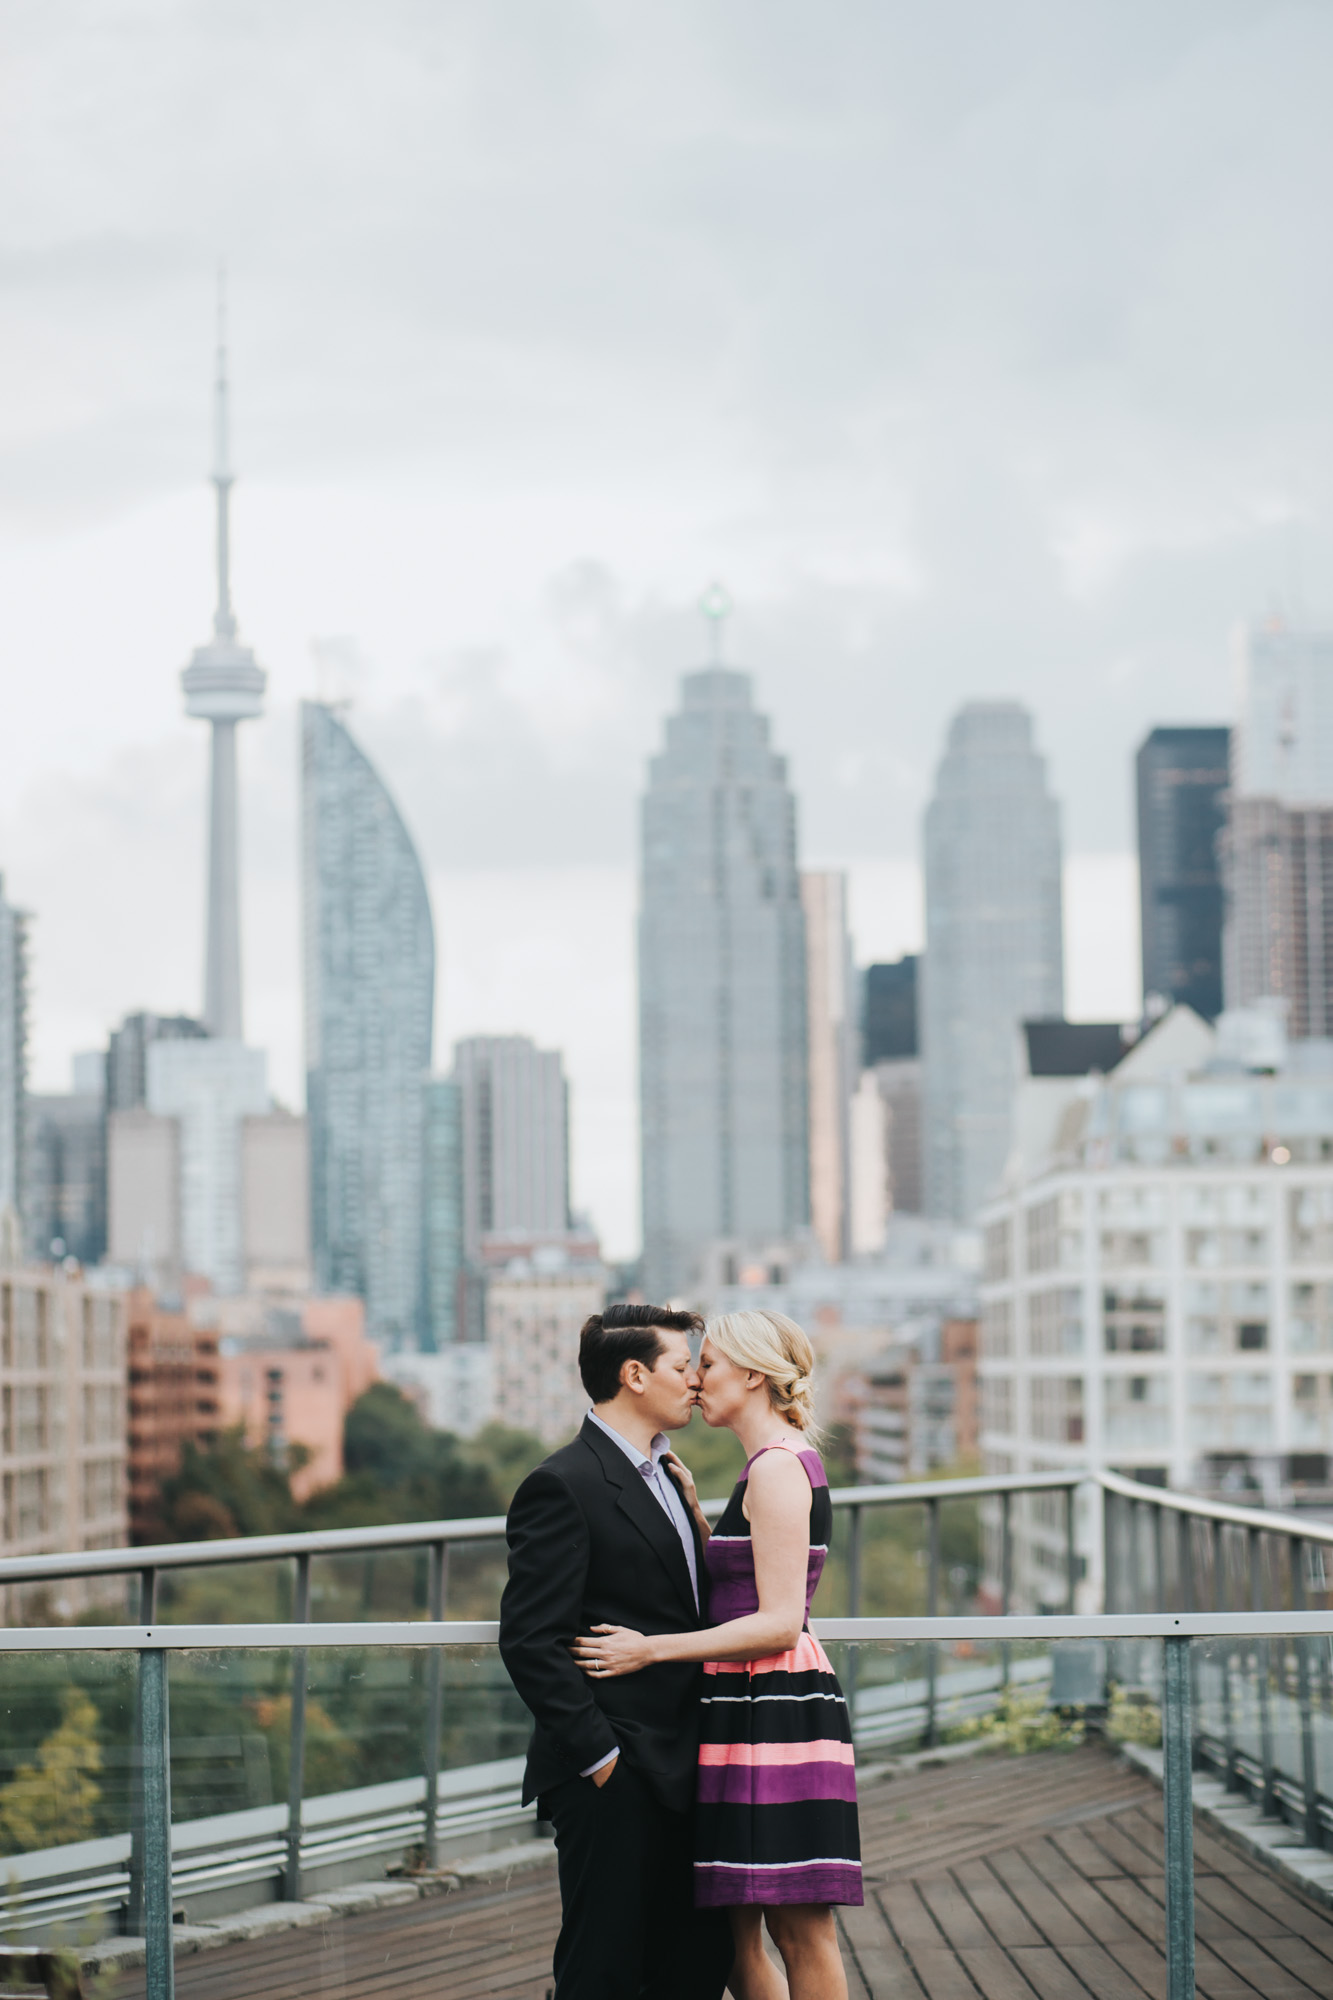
[1182,782]
[369,1004]
[994,944]
[722,1029]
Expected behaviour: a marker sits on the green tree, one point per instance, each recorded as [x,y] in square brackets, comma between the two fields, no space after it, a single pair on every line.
[230,1488]
[508,1456]
[52,1802]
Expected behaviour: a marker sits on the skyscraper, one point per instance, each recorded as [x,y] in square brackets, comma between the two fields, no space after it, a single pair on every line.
[514,1105]
[889,1011]
[445,1319]
[1283,747]
[13,1055]
[1277,846]
[224,684]
[994,943]
[1182,781]
[1278,944]
[209,1088]
[722,1006]
[369,981]
[831,1029]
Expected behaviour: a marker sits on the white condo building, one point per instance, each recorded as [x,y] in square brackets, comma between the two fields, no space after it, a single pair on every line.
[1157,1292]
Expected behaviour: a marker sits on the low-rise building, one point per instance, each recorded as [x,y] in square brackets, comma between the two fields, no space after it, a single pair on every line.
[62,1414]
[535,1307]
[173,1400]
[911,1406]
[289,1374]
[1157,1294]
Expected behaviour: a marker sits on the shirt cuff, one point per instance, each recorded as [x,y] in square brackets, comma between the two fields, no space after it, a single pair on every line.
[601,1763]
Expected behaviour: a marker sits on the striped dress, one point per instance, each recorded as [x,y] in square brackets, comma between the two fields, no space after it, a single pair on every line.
[776,1814]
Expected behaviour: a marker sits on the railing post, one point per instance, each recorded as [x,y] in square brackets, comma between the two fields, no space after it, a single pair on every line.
[1070,1556]
[1006,1574]
[1110,1509]
[930,1735]
[854,1535]
[1158,1556]
[134,1917]
[1218,1535]
[437,1575]
[1178,1812]
[155,1759]
[291,1876]
[1313,1831]
[1263,1673]
[1185,1566]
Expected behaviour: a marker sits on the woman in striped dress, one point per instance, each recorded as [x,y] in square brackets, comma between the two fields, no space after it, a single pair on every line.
[777,1839]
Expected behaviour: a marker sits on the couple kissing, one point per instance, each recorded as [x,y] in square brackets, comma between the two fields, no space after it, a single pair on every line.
[691,1745]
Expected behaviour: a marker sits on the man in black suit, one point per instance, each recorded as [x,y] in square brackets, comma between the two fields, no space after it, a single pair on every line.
[599,1535]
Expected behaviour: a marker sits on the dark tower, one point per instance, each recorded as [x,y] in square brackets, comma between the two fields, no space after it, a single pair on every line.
[1182,776]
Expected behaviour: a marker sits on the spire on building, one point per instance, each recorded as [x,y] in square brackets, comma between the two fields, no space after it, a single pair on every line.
[223,685]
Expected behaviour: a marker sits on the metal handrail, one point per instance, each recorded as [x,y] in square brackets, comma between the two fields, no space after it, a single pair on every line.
[1302,1527]
[73,1564]
[402,1632]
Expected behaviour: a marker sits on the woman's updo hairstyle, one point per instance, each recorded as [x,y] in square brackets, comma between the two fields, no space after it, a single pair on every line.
[774,1346]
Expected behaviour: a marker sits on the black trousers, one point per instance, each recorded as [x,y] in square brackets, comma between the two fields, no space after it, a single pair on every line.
[629,1928]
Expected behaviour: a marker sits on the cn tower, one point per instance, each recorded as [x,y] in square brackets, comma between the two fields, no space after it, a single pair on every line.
[224,684]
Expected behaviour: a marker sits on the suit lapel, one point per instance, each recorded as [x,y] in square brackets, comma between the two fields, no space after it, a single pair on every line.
[645,1510]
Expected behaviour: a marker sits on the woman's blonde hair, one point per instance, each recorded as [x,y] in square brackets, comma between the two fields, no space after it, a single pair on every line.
[775,1346]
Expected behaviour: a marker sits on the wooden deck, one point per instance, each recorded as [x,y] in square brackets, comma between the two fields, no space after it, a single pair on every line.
[1034,1878]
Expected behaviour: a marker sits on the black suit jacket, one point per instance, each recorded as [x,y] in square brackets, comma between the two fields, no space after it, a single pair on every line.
[589,1544]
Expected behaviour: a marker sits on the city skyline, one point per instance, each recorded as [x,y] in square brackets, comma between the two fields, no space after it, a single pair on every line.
[980,461]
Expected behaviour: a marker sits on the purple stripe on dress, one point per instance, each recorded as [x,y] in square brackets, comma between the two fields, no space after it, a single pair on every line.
[774,1784]
[809,1882]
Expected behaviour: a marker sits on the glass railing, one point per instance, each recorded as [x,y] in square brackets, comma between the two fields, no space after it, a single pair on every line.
[151,1772]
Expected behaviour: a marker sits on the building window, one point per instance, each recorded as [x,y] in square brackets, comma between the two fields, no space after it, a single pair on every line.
[1055,1322]
[997,1403]
[1230,1410]
[997,1330]
[1136,1412]
[1057,1408]
[1310,1224]
[1127,1249]
[1133,1321]
[1226,1317]
[997,1261]
[1310,1326]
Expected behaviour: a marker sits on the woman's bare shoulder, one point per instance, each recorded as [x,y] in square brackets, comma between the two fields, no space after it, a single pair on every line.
[778,1471]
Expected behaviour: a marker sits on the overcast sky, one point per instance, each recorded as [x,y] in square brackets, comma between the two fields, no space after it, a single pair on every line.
[981,350]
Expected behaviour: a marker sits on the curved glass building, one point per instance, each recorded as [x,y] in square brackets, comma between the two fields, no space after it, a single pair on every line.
[369,1005]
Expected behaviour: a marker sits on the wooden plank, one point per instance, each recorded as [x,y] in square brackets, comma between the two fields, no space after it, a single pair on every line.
[1006,1922]
[1102,1920]
[912,1923]
[1274,1981]
[879,1958]
[995,1975]
[1101,1973]
[1083,1854]
[1047,1973]
[1052,1917]
[958,1921]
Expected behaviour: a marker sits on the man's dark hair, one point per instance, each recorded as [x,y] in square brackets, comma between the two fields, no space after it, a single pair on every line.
[625,1333]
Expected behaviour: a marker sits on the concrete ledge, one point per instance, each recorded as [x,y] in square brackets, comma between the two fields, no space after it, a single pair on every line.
[1271,1842]
[268,1919]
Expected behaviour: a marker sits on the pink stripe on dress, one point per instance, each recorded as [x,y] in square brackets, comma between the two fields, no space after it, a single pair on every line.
[820,1750]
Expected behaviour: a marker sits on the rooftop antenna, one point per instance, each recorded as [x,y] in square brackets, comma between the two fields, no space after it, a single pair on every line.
[716,606]
[224,619]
